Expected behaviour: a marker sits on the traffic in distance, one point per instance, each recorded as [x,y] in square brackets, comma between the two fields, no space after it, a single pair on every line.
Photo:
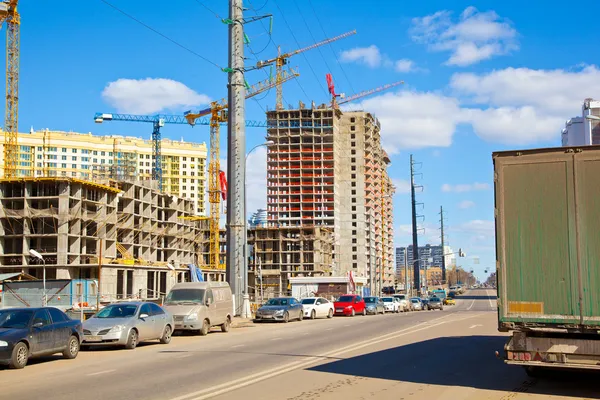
[194,307]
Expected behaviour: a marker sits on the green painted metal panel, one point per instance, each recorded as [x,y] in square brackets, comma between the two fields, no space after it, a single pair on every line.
[587,169]
[538,270]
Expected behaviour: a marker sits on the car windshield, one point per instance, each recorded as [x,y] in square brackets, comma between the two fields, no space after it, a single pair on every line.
[434,300]
[345,299]
[401,297]
[117,311]
[414,300]
[179,296]
[277,302]
[308,301]
[15,319]
[370,299]
[387,299]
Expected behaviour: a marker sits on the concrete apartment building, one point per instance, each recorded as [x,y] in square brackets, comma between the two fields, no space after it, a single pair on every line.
[98,158]
[327,168]
[137,237]
[583,130]
[404,256]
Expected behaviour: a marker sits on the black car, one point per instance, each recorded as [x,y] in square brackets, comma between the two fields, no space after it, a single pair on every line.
[30,332]
[435,303]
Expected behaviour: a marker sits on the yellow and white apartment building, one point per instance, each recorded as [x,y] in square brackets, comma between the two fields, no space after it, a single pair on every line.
[95,158]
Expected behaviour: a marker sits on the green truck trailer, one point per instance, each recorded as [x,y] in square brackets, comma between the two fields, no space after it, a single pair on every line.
[547,210]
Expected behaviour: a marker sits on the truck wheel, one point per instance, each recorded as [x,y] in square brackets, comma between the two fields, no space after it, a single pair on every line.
[533,372]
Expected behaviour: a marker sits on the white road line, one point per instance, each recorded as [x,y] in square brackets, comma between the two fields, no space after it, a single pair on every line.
[185,356]
[277,338]
[306,333]
[329,329]
[102,372]
[237,345]
[471,306]
[490,299]
[347,325]
[263,375]
[474,326]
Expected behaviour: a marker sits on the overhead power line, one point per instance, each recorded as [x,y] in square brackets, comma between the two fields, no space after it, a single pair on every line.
[160,34]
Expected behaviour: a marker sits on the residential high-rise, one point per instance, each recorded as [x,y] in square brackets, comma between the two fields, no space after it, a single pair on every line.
[98,158]
[327,168]
[583,130]
[425,253]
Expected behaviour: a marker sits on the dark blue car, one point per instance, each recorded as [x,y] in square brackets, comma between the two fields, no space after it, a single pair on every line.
[31,332]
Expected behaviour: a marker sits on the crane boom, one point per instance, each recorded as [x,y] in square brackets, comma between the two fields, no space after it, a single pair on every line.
[282,59]
[370,92]
[8,13]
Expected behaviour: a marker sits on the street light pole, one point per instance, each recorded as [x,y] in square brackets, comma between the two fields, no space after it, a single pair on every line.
[39,257]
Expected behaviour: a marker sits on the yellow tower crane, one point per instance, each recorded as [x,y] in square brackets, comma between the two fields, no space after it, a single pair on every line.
[282,59]
[8,13]
[218,116]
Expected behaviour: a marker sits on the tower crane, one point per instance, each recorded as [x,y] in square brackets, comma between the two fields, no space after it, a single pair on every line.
[8,13]
[335,103]
[218,115]
[282,59]
[158,121]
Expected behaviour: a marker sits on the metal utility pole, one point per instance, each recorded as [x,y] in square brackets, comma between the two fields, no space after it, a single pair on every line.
[406,271]
[237,261]
[443,247]
[416,261]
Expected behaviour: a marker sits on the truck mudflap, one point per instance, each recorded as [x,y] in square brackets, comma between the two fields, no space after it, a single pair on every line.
[553,352]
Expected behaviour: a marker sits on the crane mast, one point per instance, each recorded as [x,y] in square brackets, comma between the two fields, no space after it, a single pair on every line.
[282,59]
[8,13]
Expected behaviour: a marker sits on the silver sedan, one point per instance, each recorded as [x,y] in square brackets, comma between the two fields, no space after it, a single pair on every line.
[127,324]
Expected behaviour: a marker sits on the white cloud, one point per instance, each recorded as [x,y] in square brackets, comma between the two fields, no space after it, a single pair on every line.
[465,187]
[466,204]
[478,227]
[405,65]
[402,186]
[476,36]
[151,95]
[256,180]
[370,56]
[522,105]
[415,119]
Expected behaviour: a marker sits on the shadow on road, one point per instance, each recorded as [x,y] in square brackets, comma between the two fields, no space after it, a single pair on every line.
[476,297]
[466,361]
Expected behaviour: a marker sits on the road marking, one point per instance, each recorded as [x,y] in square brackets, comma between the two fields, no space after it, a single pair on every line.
[306,333]
[346,325]
[237,345]
[102,372]
[277,338]
[489,298]
[185,356]
[474,326]
[329,329]
[471,306]
[263,375]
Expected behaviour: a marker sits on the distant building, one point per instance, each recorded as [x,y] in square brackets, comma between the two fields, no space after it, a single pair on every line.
[258,219]
[584,130]
[404,255]
[574,133]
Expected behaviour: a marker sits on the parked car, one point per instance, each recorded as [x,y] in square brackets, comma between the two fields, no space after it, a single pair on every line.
[449,301]
[452,294]
[280,309]
[128,324]
[32,332]
[435,303]
[198,306]
[374,305]
[417,305]
[317,307]
[390,304]
[404,303]
[350,305]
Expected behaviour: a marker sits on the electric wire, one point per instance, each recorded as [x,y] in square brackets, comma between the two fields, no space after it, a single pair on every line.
[331,47]
[161,34]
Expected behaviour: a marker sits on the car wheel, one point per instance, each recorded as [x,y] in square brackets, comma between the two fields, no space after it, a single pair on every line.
[442,308]
[313,314]
[364,311]
[352,314]
[225,326]
[205,328]
[132,340]
[19,357]
[330,314]
[301,315]
[72,348]
[286,317]
[166,336]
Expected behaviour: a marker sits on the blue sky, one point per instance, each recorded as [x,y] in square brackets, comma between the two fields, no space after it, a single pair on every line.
[479,76]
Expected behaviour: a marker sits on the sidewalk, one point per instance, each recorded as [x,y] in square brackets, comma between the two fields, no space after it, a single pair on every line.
[239,322]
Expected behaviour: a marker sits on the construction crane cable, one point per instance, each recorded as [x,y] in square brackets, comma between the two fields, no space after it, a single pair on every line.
[160,34]
[298,44]
[331,47]
[205,6]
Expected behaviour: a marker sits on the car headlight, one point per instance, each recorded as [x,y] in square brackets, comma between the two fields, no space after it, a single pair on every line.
[348,306]
[191,317]
[278,312]
[3,343]
[117,328]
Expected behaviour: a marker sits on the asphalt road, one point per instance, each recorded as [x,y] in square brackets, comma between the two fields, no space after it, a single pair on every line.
[430,354]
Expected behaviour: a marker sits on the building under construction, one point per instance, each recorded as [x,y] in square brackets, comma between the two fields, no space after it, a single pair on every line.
[326,168]
[139,241]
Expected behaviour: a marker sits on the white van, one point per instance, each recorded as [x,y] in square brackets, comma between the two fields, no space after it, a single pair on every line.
[198,306]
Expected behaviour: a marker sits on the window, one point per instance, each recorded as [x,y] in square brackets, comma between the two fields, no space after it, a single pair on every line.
[353,240]
[42,316]
[74,166]
[353,128]
[52,157]
[353,168]
[64,149]
[95,152]
[353,159]
[110,154]
[209,296]
[184,180]
[192,180]
[147,164]
[95,161]
[184,173]
[193,159]
[353,152]
[353,184]
[354,192]
[52,149]
[73,150]
[64,158]
[156,310]
[352,120]
[73,174]
[145,309]
[73,158]
[63,165]
[39,148]
[103,153]
[354,215]
[353,176]
[192,195]
[354,209]
[354,257]
[85,151]
[354,199]
[354,224]
[184,159]
[39,156]
[354,232]
[354,265]
[57,315]
[353,144]
[85,159]
[354,249]
[102,161]
[193,173]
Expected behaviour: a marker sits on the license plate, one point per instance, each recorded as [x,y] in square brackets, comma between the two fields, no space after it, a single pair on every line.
[178,326]
[93,338]
[339,309]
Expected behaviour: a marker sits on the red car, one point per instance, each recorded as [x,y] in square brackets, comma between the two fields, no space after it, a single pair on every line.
[350,305]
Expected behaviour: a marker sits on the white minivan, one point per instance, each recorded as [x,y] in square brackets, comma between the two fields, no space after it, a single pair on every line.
[198,306]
